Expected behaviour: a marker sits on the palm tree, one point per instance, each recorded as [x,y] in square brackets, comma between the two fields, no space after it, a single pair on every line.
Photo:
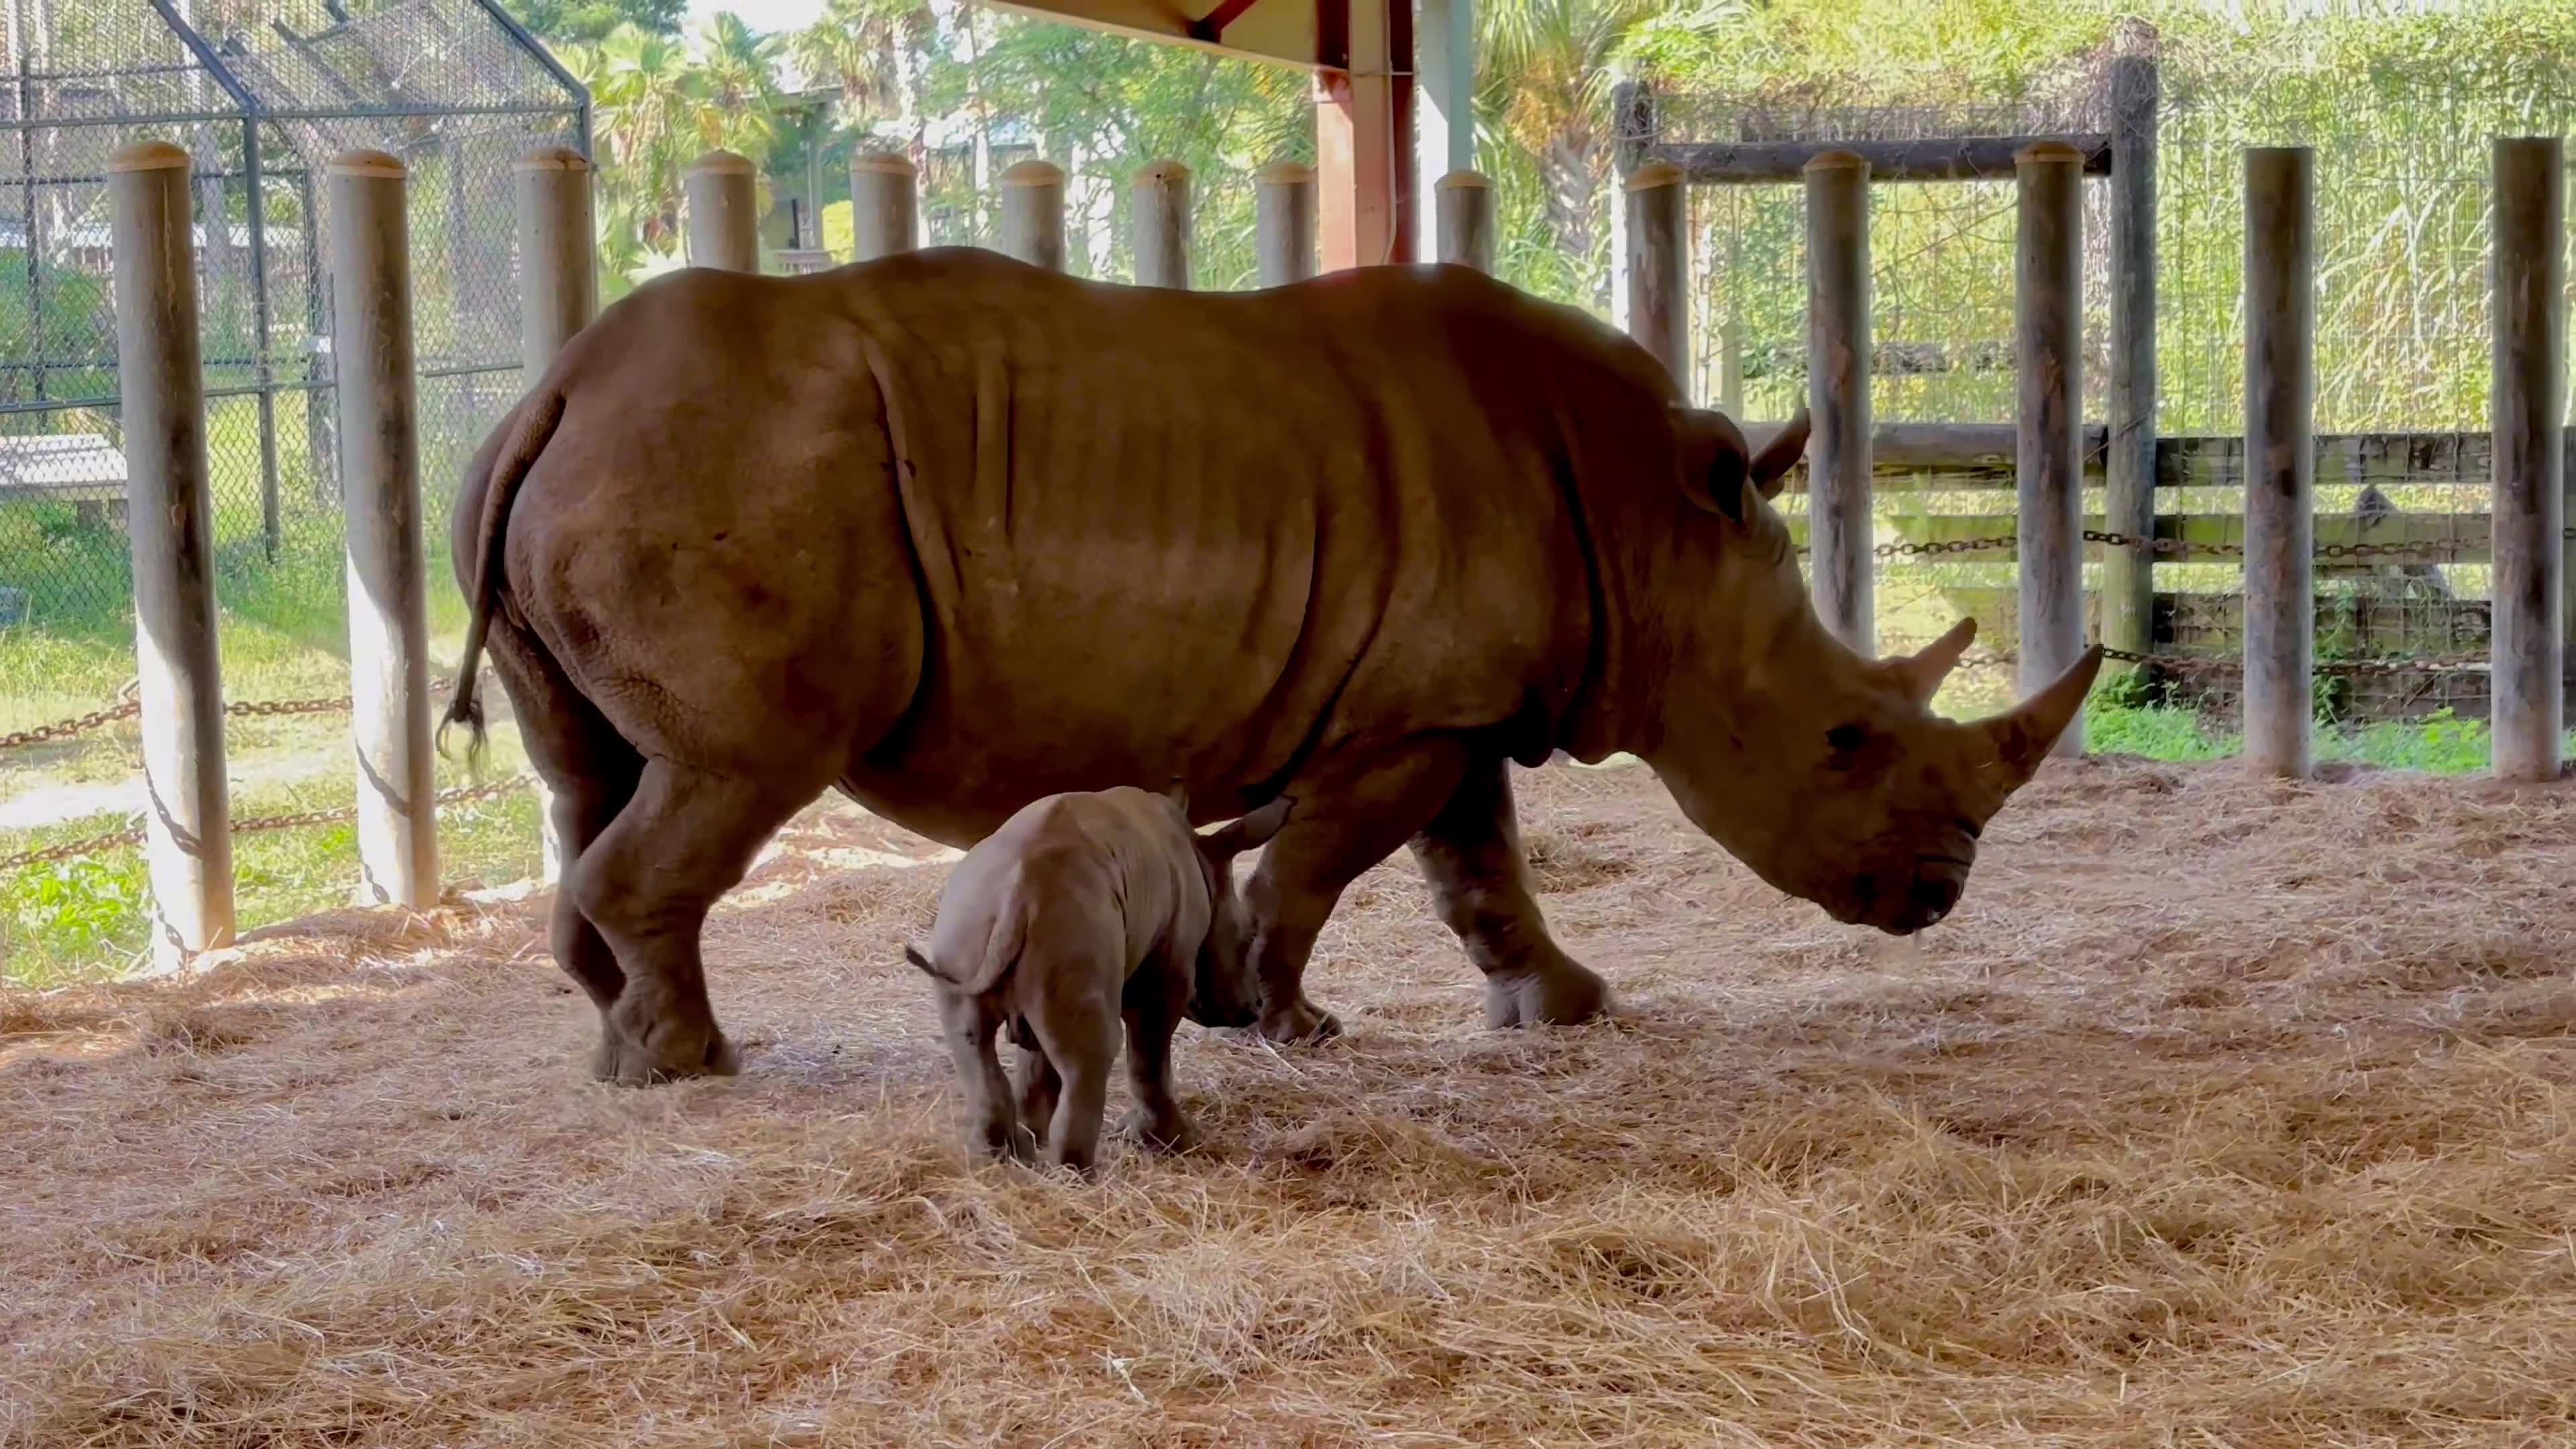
[1543,85]
[863,48]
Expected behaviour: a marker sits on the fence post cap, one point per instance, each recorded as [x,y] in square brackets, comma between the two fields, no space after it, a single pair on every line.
[2047,151]
[721,163]
[1285,173]
[1837,161]
[1161,171]
[365,163]
[891,163]
[1032,172]
[1654,174]
[147,156]
[1462,181]
[554,158]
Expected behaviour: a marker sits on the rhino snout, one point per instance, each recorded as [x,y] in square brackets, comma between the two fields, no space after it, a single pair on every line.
[1906,900]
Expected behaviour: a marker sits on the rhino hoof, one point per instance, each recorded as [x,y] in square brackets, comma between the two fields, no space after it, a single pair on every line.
[623,1061]
[1563,996]
[1301,1022]
[1174,1135]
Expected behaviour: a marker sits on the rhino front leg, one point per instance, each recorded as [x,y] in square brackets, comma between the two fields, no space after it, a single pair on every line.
[1471,854]
[1345,821]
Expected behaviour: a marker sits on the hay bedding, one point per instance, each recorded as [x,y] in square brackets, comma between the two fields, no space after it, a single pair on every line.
[2224,1113]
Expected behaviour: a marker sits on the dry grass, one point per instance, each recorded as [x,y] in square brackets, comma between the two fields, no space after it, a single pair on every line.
[2224,1113]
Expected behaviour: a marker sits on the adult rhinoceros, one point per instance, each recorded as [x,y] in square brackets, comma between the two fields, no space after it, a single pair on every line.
[952,533]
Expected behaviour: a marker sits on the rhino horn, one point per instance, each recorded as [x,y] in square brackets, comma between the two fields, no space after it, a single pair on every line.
[1924,672]
[2023,737]
[1770,467]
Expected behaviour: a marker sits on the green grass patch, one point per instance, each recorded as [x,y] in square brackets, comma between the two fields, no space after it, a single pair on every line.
[87,919]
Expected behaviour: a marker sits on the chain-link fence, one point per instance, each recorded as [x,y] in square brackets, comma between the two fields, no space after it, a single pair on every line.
[262,94]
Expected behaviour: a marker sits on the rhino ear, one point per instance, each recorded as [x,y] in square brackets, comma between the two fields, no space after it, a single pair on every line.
[1770,467]
[1249,833]
[1178,792]
[1709,451]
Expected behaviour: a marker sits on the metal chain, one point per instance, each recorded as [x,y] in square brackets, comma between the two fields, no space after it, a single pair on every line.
[132,835]
[65,729]
[244,709]
[339,815]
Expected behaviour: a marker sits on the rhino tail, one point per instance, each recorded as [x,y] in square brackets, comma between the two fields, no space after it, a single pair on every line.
[913,955]
[532,427]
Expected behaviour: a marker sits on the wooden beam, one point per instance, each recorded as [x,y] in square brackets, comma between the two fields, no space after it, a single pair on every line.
[1975,158]
[1282,32]
[1363,135]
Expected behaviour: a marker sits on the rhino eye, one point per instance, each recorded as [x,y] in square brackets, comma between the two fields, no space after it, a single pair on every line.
[1843,739]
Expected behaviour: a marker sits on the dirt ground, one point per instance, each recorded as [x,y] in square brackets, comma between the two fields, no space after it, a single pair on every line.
[2222,1113]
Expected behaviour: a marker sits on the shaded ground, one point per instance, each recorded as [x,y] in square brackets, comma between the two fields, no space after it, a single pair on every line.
[2223,1112]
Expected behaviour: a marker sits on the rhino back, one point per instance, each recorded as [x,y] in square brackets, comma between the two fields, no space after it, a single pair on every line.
[1211,533]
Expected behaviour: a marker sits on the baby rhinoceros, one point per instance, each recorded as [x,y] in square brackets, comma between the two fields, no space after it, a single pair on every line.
[1081,911]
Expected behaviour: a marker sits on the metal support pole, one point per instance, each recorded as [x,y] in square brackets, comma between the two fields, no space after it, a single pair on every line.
[1464,204]
[2530,326]
[882,205]
[169,520]
[2129,478]
[1283,226]
[1840,525]
[1162,222]
[1444,98]
[558,295]
[380,482]
[2280,459]
[271,524]
[1659,267]
[1033,213]
[2048,328]
[724,213]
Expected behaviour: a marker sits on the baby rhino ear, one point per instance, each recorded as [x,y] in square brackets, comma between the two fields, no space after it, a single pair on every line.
[1249,833]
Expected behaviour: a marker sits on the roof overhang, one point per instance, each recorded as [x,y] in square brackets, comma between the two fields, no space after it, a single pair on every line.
[1302,33]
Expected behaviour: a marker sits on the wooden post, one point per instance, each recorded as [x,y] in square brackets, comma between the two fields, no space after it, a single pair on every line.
[1283,226]
[724,213]
[1444,98]
[1840,524]
[1659,267]
[558,295]
[1033,213]
[558,280]
[883,215]
[1638,118]
[2280,458]
[1162,222]
[1465,203]
[380,484]
[2530,326]
[188,836]
[2129,492]
[2048,327]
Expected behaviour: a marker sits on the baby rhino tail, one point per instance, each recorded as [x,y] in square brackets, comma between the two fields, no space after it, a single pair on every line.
[913,955]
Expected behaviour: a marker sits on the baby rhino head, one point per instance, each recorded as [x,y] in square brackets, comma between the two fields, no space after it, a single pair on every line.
[1224,988]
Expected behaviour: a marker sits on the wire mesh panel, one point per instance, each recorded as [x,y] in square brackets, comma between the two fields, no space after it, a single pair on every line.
[262,95]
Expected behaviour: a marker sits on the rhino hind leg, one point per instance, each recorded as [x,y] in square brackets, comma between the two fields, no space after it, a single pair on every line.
[646,883]
[591,772]
[1471,855]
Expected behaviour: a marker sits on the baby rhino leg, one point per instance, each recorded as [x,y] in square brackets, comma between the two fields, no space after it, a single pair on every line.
[993,1127]
[1156,998]
[1078,1032]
